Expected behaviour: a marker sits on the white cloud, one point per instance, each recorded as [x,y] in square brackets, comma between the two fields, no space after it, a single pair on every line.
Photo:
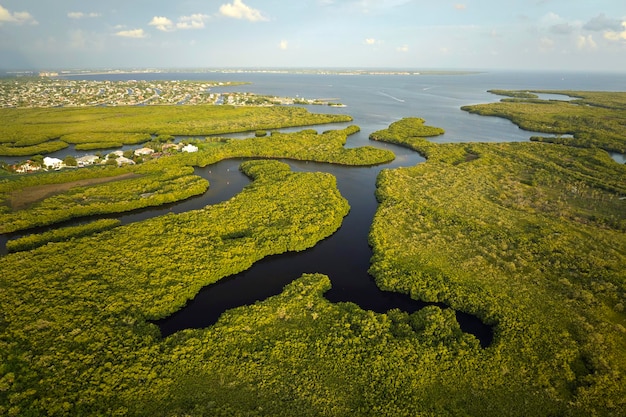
[239,10]
[616,36]
[586,42]
[162,23]
[403,48]
[546,44]
[19,18]
[460,6]
[78,39]
[133,33]
[370,41]
[601,23]
[81,15]
[283,45]
[195,21]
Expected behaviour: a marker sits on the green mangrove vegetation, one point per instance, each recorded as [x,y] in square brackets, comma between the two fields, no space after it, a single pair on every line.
[74,332]
[593,119]
[529,237]
[48,198]
[59,235]
[31,131]
[52,197]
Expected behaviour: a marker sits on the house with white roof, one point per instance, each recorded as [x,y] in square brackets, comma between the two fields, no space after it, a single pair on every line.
[190,148]
[124,161]
[52,163]
[143,151]
[86,160]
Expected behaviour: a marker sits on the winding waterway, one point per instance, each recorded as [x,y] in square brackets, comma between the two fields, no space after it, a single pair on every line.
[344,257]
[374,102]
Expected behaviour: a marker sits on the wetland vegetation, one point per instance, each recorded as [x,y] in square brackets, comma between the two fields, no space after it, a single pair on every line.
[25,131]
[592,119]
[530,237]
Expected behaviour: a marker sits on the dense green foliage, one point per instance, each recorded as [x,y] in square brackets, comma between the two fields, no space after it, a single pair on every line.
[73,332]
[532,239]
[58,235]
[594,119]
[165,180]
[152,185]
[17,149]
[514,94]
[21,129]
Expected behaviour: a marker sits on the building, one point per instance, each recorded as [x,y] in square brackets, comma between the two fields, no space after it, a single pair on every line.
[143,152]
[52,163]
[28,166]
[124,161]
[87,160]
[190,148]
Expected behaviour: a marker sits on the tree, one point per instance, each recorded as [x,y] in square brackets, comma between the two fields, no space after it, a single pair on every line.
[70,161]
[38,159]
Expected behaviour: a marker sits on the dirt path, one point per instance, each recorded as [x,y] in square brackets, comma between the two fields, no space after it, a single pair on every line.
[22,199]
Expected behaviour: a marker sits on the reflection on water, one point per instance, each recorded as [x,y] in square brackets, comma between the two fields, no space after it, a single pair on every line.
[620,158]
[344,257]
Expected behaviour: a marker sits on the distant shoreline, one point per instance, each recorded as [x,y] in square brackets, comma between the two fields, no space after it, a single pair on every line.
[75,73]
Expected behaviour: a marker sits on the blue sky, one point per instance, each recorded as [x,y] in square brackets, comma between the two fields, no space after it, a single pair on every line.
[457,34]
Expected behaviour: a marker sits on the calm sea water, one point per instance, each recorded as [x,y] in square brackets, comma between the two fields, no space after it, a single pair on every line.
[375,101]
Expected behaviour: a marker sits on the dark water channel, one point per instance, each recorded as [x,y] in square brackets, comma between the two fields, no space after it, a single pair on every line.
[344,257]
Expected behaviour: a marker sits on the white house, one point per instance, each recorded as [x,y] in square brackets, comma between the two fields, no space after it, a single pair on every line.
[143,151]
[52,163]
[124,161]
[86,160]
[190,148]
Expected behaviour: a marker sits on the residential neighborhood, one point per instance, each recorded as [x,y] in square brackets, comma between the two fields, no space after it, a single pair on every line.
[58,92]
[119,158]
[53,92]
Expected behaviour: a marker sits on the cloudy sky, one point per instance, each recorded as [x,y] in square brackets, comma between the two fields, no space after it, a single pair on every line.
[504,34]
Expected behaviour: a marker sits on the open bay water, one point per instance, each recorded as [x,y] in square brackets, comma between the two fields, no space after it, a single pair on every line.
[374,101]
